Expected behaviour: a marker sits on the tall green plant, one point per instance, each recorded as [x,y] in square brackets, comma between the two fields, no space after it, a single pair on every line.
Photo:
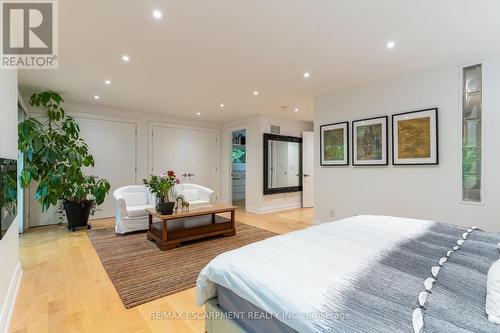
[56,155]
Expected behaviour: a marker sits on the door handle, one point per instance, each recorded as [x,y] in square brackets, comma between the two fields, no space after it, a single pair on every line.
[306,175]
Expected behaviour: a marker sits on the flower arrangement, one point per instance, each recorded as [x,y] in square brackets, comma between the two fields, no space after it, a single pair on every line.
[162,186]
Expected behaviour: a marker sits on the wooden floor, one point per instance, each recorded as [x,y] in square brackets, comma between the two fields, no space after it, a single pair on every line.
[65,288]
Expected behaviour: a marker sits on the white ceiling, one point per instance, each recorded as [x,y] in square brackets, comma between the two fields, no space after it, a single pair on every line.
[204,53]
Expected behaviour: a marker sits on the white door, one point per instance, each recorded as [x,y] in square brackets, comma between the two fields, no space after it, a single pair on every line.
[113,145]
[202,158]
[186,150]
[169,150]
[307,169]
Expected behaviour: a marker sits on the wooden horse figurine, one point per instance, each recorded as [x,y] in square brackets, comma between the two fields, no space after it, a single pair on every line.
[182,203]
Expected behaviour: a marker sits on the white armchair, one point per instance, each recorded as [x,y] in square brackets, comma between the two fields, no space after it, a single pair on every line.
[195,194]
[132,201]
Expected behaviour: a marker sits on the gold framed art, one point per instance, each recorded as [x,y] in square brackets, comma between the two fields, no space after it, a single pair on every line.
[415,138]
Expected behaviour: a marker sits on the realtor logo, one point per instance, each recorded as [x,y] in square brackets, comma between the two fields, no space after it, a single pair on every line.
[29,34]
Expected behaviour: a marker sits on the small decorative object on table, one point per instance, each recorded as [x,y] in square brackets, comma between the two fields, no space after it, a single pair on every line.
[163,187]
[182,203]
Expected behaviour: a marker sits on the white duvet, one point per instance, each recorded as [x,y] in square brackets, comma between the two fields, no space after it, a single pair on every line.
[288,275]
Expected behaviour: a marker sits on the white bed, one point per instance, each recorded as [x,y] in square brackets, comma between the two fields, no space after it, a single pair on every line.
[290,276]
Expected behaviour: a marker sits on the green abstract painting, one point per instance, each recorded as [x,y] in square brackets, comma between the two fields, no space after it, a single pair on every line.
[369,142]
[333,144]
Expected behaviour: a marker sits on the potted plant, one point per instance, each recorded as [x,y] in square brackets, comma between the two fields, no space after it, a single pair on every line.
[163,187]
[55,156]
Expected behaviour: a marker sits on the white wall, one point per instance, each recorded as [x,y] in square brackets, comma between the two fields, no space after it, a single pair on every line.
[143,121]
[256,126]
[10,271]
[429,192]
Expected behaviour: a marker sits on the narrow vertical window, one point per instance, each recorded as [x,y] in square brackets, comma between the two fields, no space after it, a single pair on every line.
[471,133]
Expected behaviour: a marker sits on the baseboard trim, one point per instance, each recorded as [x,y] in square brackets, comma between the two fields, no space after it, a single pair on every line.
[10,300]
[272,209]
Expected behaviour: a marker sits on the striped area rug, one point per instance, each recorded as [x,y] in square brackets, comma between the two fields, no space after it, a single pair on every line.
[141,272]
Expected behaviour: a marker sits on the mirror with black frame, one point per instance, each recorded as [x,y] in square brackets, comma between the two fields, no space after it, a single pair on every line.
[282,164]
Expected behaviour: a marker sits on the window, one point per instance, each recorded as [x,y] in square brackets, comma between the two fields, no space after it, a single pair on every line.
[471,133]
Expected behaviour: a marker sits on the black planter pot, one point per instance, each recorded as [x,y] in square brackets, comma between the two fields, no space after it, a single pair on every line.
[166,208]
[78,213]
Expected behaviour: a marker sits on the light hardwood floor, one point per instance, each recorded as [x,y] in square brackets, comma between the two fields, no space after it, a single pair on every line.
[65,288]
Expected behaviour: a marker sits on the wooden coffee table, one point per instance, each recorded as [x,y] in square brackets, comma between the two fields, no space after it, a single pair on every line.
[215,224]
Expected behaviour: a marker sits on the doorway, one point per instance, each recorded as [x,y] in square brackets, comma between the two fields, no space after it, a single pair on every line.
[307,169]
[238,168]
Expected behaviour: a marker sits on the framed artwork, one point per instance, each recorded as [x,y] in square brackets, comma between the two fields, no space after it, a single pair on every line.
[415,137]
[334,144]
[369,141]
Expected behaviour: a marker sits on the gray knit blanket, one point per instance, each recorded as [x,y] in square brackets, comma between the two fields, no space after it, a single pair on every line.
[435,282]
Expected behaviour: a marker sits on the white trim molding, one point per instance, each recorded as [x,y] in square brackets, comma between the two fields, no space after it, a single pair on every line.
[274,208]
[10,300]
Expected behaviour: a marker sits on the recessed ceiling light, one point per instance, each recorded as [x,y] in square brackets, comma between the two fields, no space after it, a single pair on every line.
[390,45]
[296,109]
[307,75]
[108,82]
[256,93]
[125,58]
[222,105]
[96,97]
[198,113]
[157,14]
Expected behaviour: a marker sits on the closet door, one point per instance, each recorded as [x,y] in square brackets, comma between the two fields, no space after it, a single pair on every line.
[169,150]
[113,145]
[203,157]
[185,150]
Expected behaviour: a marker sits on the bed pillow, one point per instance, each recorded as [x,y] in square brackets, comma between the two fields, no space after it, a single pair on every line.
[493,292]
